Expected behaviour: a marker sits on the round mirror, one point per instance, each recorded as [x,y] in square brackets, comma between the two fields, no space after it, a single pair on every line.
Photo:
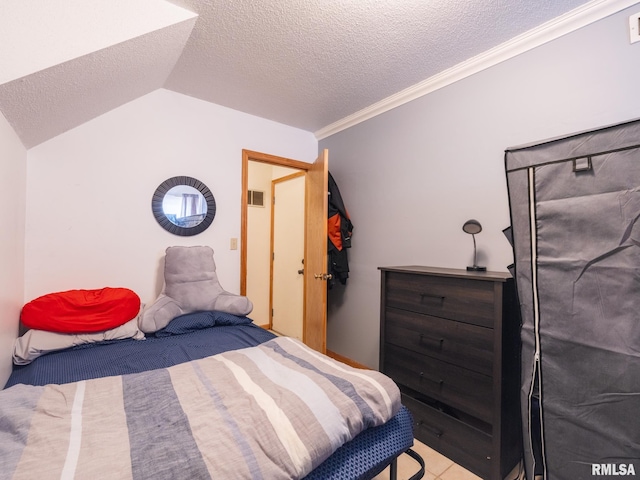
[183,206]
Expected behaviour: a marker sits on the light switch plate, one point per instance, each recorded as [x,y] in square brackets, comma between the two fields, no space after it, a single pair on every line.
[634,28]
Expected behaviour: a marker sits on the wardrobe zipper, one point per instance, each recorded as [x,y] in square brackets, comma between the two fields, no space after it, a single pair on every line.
[536,373]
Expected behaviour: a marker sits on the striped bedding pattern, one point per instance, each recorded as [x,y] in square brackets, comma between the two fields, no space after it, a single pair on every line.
[272,411]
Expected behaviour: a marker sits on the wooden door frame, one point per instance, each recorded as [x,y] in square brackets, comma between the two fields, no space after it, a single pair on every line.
[254,156]
[249,155]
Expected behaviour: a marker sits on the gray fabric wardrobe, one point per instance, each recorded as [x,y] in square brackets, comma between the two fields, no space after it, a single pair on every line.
[575,210]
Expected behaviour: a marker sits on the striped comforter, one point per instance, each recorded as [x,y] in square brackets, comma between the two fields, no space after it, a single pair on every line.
[272,411]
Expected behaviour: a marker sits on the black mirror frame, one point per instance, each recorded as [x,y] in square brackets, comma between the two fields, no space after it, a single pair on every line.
[158,212]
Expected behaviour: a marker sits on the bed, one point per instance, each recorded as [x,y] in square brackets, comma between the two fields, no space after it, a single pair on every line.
[198,342]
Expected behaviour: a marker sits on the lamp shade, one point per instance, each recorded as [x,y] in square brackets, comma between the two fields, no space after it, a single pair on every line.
[472,227]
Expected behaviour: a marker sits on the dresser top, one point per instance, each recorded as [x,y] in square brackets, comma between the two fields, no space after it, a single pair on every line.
[449,272]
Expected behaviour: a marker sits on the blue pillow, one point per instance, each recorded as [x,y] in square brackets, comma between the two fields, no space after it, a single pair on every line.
[191,322]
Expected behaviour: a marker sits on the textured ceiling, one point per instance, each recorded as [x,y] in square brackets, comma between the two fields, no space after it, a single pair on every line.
[310,63]
[64,62]
[304,63]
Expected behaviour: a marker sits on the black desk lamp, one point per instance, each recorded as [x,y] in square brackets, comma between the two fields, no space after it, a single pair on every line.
[472,227]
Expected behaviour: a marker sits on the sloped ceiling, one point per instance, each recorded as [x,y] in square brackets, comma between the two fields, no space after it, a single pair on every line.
[303,63]
[68,61]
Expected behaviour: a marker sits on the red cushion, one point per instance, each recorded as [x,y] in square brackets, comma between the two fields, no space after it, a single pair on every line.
[81,311]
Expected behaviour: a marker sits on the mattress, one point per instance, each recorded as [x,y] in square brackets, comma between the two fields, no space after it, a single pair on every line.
[363,457]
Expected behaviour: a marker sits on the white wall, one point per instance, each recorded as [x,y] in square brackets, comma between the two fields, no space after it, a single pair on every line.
[88,220]
[13,167]
[259,243]
[412,176]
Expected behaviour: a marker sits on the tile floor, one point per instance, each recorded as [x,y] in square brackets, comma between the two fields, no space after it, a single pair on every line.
[437,466]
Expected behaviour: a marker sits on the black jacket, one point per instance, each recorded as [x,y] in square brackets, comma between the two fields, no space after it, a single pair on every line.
[340,230]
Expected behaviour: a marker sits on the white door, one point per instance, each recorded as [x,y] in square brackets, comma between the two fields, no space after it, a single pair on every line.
[287,291]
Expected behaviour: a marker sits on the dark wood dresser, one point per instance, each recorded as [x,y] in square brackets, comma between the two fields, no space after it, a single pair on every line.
[451,340]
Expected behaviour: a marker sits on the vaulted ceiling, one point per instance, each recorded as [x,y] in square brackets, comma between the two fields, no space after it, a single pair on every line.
[303,63]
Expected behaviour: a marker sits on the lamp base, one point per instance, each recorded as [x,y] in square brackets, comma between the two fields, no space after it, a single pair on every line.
[476,268]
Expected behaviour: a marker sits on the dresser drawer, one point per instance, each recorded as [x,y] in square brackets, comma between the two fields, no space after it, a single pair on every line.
[463,344]
[469,446]
[459,387]
[460,299]
[450,340]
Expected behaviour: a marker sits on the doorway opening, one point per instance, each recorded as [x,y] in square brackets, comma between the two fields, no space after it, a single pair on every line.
[285,280]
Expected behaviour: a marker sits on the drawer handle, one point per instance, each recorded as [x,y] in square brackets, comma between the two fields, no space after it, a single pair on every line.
[434,431]
[437,340]
[433,298]
[439,382]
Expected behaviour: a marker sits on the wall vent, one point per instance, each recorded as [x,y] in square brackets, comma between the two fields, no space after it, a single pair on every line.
[255,198]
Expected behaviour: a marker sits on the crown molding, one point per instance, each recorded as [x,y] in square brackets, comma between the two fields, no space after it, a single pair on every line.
[573,20]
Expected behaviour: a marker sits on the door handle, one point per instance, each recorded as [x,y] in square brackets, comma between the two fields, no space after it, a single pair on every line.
[439,341]
[322,276]
[301,271]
